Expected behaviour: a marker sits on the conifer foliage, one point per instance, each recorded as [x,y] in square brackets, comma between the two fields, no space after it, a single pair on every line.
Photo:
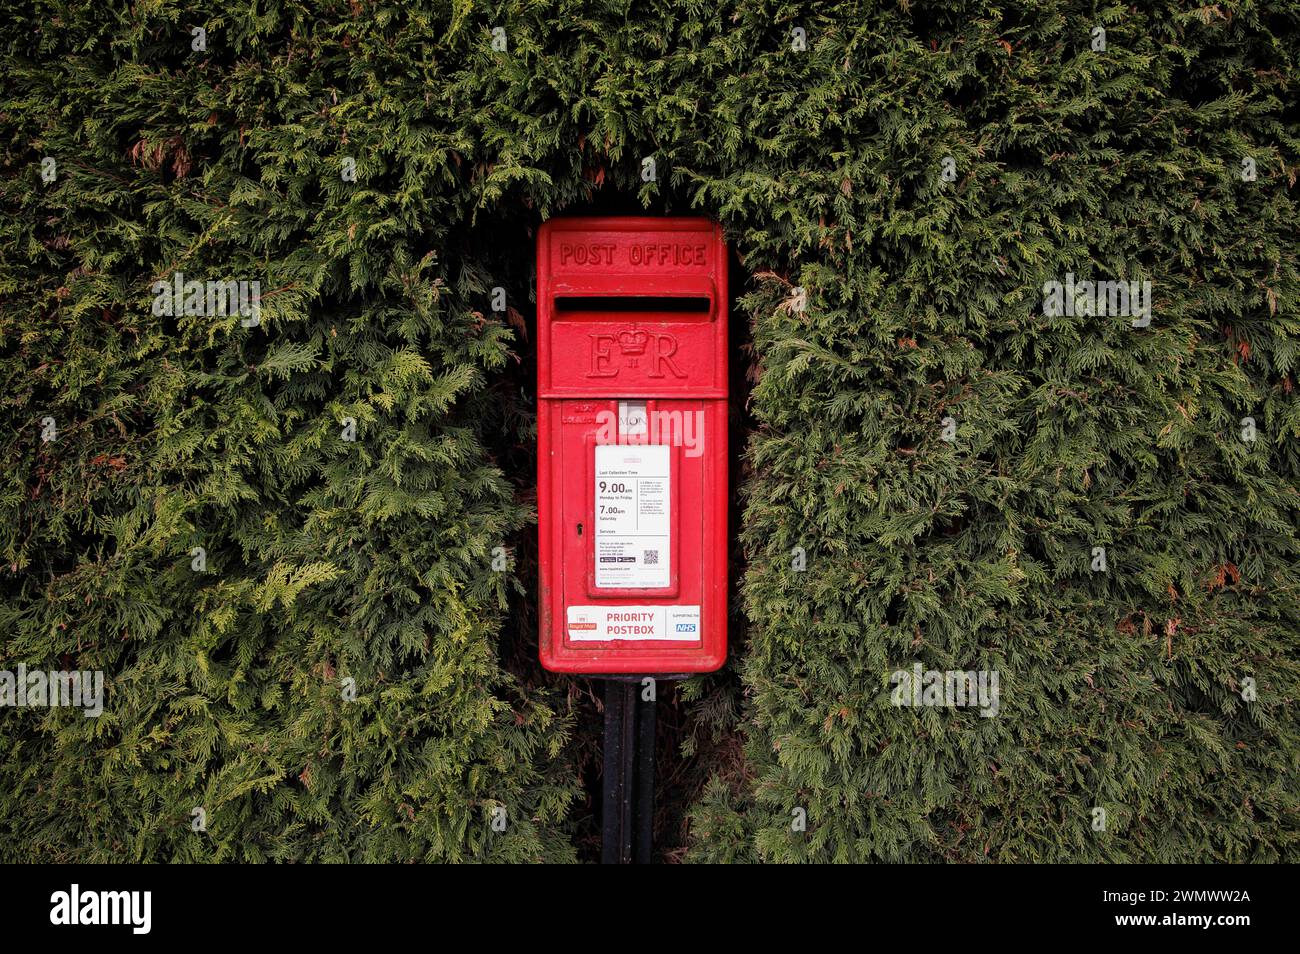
[289,534]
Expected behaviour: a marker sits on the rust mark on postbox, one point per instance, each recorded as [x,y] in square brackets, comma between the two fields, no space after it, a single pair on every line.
[632,444]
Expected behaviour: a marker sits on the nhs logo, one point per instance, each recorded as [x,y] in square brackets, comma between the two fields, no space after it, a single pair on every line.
[683,623]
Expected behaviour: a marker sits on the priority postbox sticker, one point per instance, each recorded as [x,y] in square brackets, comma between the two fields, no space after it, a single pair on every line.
[633,535]
[604,623]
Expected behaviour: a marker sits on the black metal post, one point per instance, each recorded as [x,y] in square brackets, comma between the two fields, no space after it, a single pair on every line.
[627,820]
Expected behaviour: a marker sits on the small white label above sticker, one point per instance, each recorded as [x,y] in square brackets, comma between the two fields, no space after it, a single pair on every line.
[605,623]
[633,509]
[632,419]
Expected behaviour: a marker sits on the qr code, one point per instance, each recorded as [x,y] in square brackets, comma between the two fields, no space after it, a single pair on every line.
[650,557]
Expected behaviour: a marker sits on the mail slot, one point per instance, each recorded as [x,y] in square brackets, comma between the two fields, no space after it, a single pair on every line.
[632,445]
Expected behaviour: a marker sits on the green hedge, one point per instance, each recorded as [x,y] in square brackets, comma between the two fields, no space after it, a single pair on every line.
[377,560]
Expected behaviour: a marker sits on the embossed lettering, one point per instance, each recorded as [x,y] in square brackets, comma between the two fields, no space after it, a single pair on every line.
[664,348]
[602,361]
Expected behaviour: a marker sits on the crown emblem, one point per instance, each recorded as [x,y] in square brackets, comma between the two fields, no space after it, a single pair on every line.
[633,342]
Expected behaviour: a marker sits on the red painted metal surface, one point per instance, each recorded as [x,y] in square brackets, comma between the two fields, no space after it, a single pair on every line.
[632,445]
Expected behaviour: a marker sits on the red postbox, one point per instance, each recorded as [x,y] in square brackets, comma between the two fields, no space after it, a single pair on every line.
[632,444]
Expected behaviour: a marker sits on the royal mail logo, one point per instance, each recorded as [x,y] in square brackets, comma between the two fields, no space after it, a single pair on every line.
[631,345]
